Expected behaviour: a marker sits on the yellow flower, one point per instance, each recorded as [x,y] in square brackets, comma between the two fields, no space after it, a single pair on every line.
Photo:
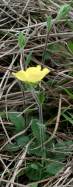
[32,74]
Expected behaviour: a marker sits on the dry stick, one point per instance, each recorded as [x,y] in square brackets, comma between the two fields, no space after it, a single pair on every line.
[6,68]
[27,2]
[7,14]
[41,24]
[15,184]
[16,135]
[22,157]
[21,61]
[6,170]
[46,41]
[69,182]
[57,121]
[4,77]
[26,110]
[33,158]
[55,4]
[61,180]
[23,66]
[11,51]
[14,82]
[5,167]
[10,8]
[28,185]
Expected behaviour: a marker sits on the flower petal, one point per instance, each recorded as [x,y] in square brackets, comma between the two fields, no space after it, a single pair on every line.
[32,74]
[37,75]
[33,69]
[44,72]
[21,75]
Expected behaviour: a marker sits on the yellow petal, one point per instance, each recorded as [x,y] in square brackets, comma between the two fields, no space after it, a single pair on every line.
[38,67]
[32,74]
[36,74]
[21,75]
[44,72]
[33,69]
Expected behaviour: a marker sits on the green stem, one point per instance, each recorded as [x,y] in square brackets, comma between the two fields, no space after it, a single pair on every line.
[40,113]
[41,122]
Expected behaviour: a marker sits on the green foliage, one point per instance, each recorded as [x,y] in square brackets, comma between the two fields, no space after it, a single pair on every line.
[53,168]
[18,121]
[12,148]
[70,46]
[52,50]
[46,56]
[33,171]
[55,156]
[19,143]
[21,41]
[55,161]
[63,11]
[49,23]
[60,150]
[70,94]
[63,148]
[28,58]
[70,24]
[56,48]
[37,172]
[58,55]
[38,130]
[22,140]
[68,116]
[41,97]
[33,185]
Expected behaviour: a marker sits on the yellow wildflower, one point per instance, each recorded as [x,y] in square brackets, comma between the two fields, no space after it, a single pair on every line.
[32,74]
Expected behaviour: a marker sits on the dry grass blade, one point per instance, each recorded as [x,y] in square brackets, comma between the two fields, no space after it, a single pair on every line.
[18,165]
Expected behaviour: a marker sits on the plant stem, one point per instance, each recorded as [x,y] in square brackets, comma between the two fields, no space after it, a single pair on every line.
[41,123]
[40,113]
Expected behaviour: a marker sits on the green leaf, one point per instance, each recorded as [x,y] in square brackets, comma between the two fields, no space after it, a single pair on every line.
[68,92]
[64,146]
[55,48]
[28,59]
[34,149]
[12,148]
[41,97]
[70,24]
[34,166]
[71,115]
[46,55]
[63,12]
[18,121]
[69,119]
[62,150]
[54,168]
[33,185]
[70,46]
[49,23]
[38,130]
[21,40]
[22,140]
[33,171]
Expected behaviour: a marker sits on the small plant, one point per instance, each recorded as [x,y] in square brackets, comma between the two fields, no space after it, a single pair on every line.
[36,102]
